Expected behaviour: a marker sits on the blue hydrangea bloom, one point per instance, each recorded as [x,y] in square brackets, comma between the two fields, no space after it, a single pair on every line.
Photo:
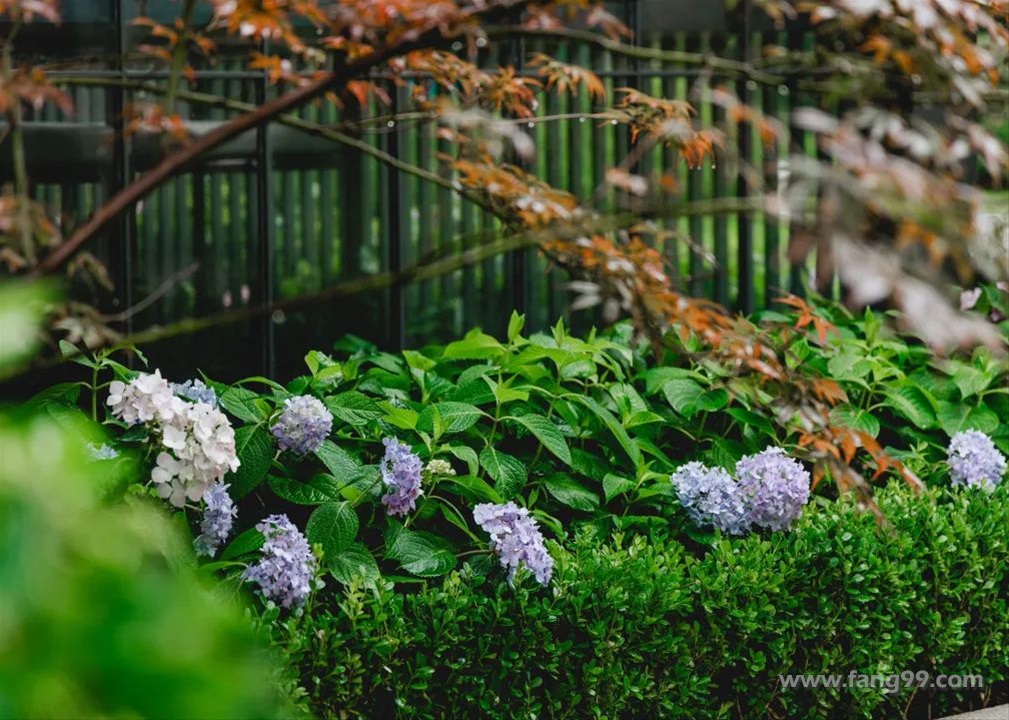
[516,538]
[218,516]
[974,460]
[195,391]
[711,497]
[303,425]
[287,566]
[775,487]
[401,472]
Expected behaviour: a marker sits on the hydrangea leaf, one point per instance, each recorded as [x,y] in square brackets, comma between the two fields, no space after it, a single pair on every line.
[334,526]
[614,485]
[421,554]
[856,419]
[338,461]
[320,489]
[682,394]
[547,433]
[455,416]
[508,473]
[247,542]
[354,561]
[353,407]
[572,493]
[255,451]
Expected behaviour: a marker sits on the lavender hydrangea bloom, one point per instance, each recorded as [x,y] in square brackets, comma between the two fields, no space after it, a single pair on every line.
[218,515]
[711,497]
[516,539]
[303,426]
[401,472]
[774,486]
[195,391]
[285,571]
[974,460]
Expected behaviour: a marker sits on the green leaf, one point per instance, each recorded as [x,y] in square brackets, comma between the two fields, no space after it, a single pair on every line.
[254,448]
[547,433]
[508,473]
[572,493]
[656,378]
[320,489]
[748,418]
[614,426]
[340,463]
[467,455]
[914,404]
[955,417]
[614,485]
[353,407]
[249,541]
[403,418]
[455,416]
[682,394]
[241,403]
[421,554]
[475,488]
[712,400]
[354,561]
[856,419]
[334,526]
[474,346]
[515,324]
[970,380]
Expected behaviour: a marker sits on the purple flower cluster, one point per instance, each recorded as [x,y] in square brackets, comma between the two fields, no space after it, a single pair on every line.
[401,472]
[218,515]
[774,487]
[974,460]
[711,497]
[195,391]
[516,539]
[285,571]
[303,425]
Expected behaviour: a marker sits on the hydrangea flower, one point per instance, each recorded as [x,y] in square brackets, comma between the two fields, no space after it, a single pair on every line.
[285,571]
[974,460]
[401,472]
[516,538]
[439,467]
[146,398]
[711,497]
[218,516]
[195,391]
[102,452]
[774,487]
[199,449]
[303,425]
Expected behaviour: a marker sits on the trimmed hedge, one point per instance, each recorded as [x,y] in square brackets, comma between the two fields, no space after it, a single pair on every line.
[638,628]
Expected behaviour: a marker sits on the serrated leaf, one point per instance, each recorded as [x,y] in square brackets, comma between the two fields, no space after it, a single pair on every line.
[340,463]
[320,489]
[403,418]
[572,493]
[333,525]
[656,378]
[455,416]
[712,400]
[914,404]
[254,447]
[856,419]
[248,541]
[353,407]
[682,394]
[614,485]
[474,346]
[508,474]
[475,488]
[956,417]
[969,380]
[241,403]
[354,561]
[421,554]
[467,455]
[547,433]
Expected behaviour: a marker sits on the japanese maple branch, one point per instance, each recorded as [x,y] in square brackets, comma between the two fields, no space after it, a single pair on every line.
[341,74]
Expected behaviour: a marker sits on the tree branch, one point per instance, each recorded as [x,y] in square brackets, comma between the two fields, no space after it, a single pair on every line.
[176,162]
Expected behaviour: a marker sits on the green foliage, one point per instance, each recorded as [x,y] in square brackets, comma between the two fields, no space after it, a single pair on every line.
[102,613]
[639,628]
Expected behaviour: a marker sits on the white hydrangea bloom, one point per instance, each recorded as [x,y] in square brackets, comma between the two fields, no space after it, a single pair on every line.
[199,451]
[146,398]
